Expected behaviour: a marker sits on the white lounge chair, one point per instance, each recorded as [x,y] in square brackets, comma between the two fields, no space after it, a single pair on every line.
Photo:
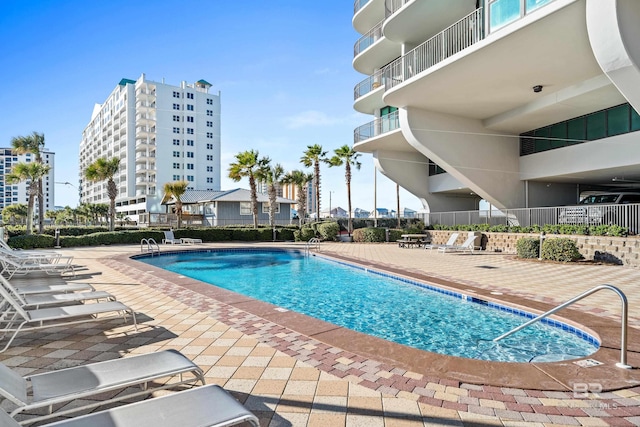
[450,242]
[468,245]
[206,406]
[62,386]
[12,265]
[53,289]
[50,299]
[15,318]
[169,238]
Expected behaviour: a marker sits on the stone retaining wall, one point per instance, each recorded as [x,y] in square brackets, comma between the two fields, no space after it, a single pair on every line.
[618,250]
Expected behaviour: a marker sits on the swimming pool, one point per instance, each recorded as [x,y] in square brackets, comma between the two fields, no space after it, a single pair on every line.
[375,303]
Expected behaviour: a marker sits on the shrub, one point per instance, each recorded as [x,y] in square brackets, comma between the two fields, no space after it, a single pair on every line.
[32,241]
[562,249]
[528,247]
[305,234]
[395,234]
[369,235]
[329,230]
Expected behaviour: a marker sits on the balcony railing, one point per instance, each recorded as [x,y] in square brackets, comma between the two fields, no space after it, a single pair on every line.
[459,36]
[368,39]
[392,6]
[359,4]
[377,127]
[369,84]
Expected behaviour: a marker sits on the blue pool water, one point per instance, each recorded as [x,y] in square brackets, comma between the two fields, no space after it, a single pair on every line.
[398,310]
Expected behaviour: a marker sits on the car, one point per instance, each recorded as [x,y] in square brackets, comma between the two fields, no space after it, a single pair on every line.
[604,208]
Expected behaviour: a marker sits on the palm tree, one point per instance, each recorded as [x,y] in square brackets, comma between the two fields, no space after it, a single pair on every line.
[104,170]
[33,144]
[300,180]
[272,176]
[31,173]
[17,211]
[312,157]
[248,164]
[175,189]
[346,156]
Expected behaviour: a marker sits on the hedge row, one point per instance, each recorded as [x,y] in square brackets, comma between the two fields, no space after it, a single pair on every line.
[135,237]
[566,229]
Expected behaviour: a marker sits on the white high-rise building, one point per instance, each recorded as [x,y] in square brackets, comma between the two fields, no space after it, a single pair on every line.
[11,194]
[522,103]
[161,133]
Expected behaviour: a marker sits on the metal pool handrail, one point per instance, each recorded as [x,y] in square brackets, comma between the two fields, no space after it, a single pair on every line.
[312,242]
[623,320]
[150,242]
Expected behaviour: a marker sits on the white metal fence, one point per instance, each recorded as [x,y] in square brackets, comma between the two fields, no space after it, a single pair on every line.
[627,215]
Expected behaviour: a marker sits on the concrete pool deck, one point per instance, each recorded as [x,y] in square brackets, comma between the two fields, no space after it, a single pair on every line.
[290,379]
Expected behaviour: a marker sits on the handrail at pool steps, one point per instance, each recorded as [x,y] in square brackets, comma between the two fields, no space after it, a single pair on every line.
[151,245]
[623,320]
[313,242]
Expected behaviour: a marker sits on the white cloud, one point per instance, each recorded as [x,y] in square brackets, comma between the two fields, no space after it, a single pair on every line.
[310,118]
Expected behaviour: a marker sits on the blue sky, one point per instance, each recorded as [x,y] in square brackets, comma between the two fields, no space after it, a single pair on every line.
[283,68]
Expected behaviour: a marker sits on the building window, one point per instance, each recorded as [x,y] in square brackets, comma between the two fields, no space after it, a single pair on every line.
[209,157]
[176,118]
[209,146]
[209,180]
[190,154]
[176,177]
[190,166]
[190,131]
[190,142]
[176,130]
[176,106]
[189,95]
[210,124]
[176,142]
[209,101]
[176,154]
[245,208]
[265,207]
[190,178]
[176,94]
[209,112]
[190,119]
[177,166]
[209,134]
[190,107]
[209,168]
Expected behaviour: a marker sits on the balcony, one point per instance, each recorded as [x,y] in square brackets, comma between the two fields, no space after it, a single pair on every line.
[364,103]
[377,127]
[459,36]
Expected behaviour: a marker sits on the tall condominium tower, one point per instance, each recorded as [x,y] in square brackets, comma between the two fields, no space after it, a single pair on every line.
[161,133]
[522,103]
[11,194]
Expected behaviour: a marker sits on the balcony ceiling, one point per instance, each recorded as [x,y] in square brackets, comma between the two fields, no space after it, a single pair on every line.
[390,141]
[419,20]
[494,78]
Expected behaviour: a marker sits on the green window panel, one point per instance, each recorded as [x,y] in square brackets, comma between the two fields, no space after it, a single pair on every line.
[596,125]
[577,130]
[618,120]
[541,143]
[558,134]
[635,120]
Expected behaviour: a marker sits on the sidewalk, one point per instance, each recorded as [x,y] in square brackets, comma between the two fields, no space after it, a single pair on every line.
[289,379]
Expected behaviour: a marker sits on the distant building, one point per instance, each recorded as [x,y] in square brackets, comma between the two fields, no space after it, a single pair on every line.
[11,194]
[360,213]
[161,133]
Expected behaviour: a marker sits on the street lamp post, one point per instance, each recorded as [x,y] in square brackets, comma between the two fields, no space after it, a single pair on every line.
[330,203]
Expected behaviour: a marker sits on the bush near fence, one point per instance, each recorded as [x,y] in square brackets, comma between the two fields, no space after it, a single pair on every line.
[264,234]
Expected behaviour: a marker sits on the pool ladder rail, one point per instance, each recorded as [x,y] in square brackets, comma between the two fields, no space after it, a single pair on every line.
[149,246]
[623,320]
[312,243]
